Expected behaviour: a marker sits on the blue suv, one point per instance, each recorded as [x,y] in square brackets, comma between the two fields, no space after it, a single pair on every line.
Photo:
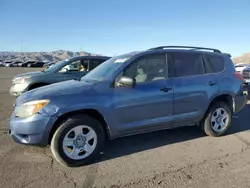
[137,92]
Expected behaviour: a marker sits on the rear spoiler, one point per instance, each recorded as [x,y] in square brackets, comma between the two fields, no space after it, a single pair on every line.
[229,55]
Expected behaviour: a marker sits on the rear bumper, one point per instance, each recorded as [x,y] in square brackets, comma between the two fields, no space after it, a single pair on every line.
[240,101]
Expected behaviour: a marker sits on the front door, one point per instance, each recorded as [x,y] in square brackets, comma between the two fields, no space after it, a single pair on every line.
[149,105]
[74,70]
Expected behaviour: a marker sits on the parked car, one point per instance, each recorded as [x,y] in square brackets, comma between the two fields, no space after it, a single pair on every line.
[64,70]
[246,75]
[1,63]
[15,64]
[36,64]
[239,67]
[138,92]
[7,63]
[28,63]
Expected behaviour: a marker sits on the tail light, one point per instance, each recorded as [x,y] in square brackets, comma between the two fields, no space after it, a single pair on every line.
[239,75]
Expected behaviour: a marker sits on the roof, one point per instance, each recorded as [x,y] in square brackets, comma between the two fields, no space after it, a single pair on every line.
[186,47]
[190,49]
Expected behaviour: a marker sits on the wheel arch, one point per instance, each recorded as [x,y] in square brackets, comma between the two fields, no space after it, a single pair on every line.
[227,98]
[91,112]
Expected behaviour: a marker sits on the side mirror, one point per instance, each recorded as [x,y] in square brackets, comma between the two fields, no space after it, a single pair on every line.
[125,81]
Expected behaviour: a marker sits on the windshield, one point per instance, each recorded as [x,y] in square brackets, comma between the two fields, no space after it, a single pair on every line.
[55,66]
[106,68]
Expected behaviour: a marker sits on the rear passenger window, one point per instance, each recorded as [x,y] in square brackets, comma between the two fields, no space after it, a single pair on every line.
[188,64]
[95,63]
[216,63]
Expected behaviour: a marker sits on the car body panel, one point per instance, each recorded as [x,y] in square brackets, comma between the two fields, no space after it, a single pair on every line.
[192,96]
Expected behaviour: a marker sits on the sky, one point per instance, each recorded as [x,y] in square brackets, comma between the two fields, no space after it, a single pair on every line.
[112,27]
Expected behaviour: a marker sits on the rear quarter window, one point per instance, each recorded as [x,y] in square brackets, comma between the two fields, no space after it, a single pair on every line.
[216,63]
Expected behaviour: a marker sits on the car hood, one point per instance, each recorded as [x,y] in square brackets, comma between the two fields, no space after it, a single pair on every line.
[71,87]
[30,74]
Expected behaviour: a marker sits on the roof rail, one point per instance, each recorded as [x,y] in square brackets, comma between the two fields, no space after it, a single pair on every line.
[192,48]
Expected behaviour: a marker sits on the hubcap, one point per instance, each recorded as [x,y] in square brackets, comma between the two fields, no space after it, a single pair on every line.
[219,119]
[79,142]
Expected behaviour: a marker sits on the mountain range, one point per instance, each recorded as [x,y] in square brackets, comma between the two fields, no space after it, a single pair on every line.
[245,58]
[63,54]
[41,56]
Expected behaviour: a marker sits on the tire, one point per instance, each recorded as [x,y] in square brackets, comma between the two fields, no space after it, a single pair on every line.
[29,65]
[58,149]
[208,124]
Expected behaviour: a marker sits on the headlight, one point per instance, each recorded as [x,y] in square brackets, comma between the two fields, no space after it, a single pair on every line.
[20,80]
[30,108]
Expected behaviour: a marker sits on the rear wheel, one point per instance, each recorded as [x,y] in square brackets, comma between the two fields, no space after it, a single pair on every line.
[218,119]
[78,141]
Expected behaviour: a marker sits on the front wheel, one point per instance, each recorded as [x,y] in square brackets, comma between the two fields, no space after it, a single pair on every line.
[217,120]
[78,141]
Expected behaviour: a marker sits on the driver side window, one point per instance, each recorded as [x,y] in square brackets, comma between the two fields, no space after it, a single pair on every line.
[72,67]
[148,69]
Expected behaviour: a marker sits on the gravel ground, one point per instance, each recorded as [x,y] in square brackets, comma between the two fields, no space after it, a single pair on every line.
[181,157]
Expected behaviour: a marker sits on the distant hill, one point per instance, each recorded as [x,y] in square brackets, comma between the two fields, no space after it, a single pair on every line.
[41,56]
[63,54]
[245,58]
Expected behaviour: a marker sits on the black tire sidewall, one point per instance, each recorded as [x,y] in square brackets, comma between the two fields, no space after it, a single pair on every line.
[206,125]
[57,140]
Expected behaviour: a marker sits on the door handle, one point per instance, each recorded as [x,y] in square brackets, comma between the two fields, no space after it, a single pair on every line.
[212,83]
[165,89]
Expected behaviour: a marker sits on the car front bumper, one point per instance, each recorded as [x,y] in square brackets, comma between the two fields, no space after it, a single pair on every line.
[34,130]
[18,89]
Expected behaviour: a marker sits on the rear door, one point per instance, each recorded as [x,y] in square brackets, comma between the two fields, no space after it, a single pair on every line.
[194,86]
[95,63]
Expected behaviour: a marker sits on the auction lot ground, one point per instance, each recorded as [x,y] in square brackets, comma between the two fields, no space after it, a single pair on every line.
[181,157]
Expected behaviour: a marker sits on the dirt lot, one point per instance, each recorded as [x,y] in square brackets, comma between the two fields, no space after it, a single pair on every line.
[181,157]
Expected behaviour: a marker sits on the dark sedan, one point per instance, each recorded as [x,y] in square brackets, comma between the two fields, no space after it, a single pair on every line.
[36,64]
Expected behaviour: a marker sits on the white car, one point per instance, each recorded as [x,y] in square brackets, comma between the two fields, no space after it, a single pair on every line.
[239,67]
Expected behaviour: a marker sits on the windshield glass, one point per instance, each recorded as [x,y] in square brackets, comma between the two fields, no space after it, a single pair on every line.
[106,68]
[55,66]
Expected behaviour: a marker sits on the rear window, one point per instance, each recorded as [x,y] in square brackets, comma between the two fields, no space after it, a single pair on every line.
[216,63]
[96,62]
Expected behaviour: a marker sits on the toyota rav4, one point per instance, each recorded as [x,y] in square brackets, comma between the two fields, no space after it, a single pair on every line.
[137,92]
